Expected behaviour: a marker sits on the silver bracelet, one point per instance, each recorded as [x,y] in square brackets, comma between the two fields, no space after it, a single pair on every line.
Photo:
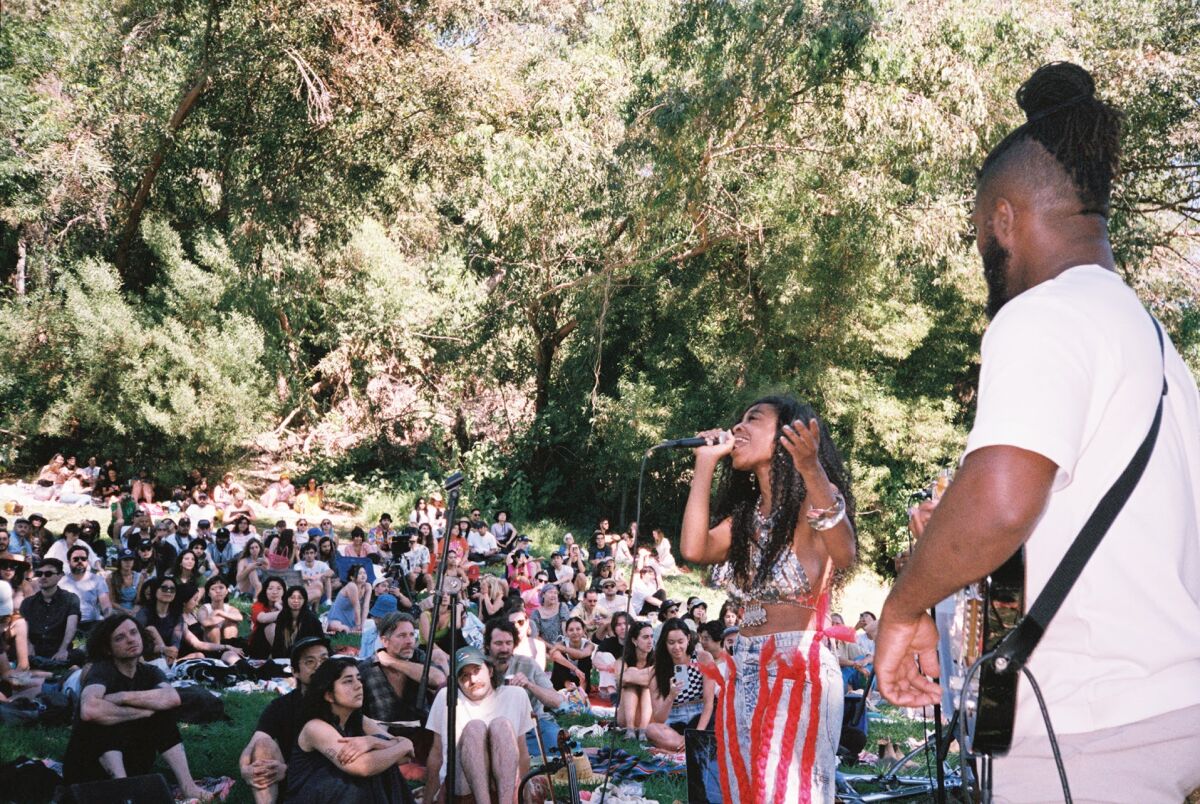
[826,518]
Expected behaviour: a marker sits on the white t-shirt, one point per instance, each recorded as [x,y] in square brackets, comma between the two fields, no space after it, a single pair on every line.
[319,569]
[59,550]
[1072,371]
[510,703]
[482,542]
[89,589]
[197,512]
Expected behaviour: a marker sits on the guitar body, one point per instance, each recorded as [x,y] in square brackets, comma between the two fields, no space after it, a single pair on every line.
[985,613]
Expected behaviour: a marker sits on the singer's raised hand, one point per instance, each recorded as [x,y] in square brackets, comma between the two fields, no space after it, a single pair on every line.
[802,441]
[720,444]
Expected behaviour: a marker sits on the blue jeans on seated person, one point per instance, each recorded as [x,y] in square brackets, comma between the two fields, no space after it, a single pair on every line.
[549,730]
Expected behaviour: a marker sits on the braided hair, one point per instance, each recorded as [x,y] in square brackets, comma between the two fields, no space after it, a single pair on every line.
[737,495]
[1079,130]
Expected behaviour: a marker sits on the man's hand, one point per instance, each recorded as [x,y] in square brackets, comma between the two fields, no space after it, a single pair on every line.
[905,653]
[351,748]
[519,680]
[266,772]
[918,517]
[61,656]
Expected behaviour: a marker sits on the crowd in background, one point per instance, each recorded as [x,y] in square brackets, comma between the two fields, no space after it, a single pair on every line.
[566,628]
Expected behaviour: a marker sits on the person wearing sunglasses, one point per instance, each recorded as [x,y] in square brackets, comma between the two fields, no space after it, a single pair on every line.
[53,617]
[90,587]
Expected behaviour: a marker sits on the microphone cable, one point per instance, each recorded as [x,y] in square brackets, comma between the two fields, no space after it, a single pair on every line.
[966,751]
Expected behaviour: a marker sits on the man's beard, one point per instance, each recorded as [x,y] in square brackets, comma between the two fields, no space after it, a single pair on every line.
[995,273]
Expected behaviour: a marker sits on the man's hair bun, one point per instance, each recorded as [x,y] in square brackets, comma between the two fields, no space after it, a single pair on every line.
[1054,85]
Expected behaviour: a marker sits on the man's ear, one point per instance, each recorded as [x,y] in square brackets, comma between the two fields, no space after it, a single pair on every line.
[1003,219]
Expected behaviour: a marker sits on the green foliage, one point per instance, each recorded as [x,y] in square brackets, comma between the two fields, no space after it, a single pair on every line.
[163,384]
[526,241]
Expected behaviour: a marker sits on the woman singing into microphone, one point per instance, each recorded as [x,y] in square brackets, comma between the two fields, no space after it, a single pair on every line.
[782,527]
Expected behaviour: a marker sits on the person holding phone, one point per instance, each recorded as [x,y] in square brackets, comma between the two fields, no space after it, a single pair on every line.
[678,691]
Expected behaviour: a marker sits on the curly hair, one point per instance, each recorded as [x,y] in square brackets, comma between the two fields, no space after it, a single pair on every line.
[737,494]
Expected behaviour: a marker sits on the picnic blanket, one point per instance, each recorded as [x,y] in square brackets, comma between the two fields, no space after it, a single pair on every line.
[625,765]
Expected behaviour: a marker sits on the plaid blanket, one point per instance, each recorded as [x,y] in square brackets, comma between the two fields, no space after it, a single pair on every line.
[628,766]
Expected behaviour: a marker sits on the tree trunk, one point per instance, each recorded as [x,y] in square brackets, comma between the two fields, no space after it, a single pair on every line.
[133,221]
[22,251]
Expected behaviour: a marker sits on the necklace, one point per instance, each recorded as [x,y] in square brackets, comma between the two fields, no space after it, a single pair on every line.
[763,524]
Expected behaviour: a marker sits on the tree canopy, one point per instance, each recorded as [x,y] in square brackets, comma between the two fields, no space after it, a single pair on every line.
[531,239]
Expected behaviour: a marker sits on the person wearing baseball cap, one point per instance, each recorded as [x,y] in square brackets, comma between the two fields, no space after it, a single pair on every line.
[263,764]
[490,723]
[124,580]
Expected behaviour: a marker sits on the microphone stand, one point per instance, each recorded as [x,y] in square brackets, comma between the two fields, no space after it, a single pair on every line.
[637,520]
[452,485]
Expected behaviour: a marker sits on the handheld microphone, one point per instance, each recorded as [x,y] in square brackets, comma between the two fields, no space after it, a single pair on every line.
[686,443]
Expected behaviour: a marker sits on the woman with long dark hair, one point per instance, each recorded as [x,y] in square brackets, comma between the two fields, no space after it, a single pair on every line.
[295,622]
[680,691]
[340,755]
[634,706]
[281,550]
[264,615]
[606,658]
[251,569]
[782,532]
[124,581]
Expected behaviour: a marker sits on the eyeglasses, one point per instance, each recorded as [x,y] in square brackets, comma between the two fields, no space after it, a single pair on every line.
[45,573]
[78,558]
[170,590]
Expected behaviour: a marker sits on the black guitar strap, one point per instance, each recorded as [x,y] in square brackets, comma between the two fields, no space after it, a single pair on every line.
[1015,649]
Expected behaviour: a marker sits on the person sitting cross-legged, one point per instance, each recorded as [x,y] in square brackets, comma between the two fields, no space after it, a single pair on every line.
[127,712]
[490,754]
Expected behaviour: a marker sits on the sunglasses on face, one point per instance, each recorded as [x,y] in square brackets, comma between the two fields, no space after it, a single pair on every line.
[170,590]
[45,574]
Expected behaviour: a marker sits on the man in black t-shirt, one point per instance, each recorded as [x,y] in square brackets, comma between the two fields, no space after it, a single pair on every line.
[127,713]
[264,759]
[53,618]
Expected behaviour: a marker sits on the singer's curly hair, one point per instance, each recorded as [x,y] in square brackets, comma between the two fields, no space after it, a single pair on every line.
[737,494]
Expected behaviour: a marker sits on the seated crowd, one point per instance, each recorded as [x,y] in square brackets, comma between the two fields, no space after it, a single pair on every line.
[535,636]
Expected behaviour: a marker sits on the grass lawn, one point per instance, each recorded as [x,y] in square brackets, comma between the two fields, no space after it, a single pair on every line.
[213,749]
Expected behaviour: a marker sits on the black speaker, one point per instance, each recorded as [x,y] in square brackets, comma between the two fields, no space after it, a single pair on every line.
[149,789]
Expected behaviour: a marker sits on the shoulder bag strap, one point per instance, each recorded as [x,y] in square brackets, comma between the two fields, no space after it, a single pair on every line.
[1014,650]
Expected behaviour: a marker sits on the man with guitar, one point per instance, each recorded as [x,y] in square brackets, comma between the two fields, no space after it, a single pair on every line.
[1072,373]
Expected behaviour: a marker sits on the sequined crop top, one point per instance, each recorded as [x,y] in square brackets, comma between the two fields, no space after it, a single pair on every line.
[786,582]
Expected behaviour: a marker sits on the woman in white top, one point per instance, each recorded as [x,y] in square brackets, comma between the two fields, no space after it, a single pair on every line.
[647,592]
[663,557]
